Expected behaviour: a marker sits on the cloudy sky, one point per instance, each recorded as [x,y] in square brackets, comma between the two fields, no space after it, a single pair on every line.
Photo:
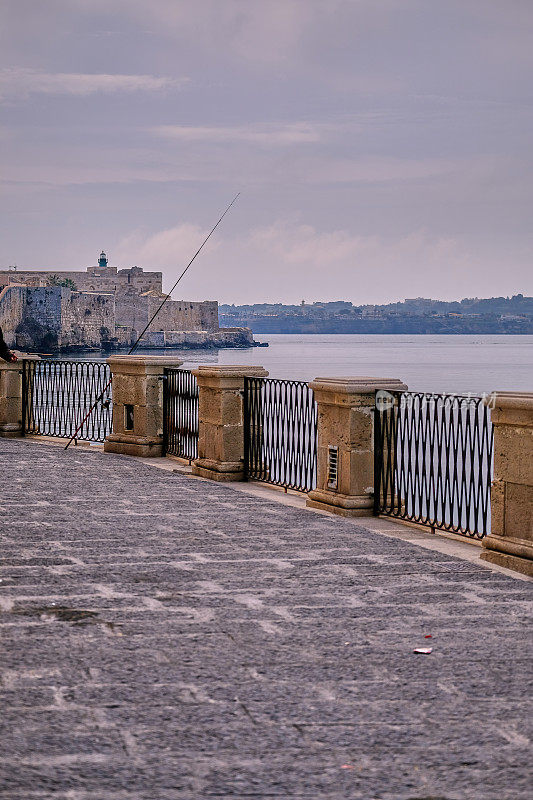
[383,148]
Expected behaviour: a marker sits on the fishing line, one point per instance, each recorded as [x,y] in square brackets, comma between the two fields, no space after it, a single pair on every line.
[134,346]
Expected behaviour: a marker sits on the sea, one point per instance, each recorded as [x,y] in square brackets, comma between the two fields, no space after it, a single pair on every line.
[427,363]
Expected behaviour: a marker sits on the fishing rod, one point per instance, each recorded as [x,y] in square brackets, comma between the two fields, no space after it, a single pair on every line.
[136,344]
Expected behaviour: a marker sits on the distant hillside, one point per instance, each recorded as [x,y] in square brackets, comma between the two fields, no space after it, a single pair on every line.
[416,315]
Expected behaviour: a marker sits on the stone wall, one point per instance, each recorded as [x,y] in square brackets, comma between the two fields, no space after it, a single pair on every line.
[53,317]
[31,317]
[134,311]
[11,308]
[95,279]
[185,315]
[87,319]
[111,279]
[236,337]
[131,310]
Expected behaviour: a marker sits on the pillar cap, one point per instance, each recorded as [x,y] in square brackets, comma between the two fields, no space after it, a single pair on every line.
[230,371]
[357,384]
[20,358]
[148,361]
[518,400]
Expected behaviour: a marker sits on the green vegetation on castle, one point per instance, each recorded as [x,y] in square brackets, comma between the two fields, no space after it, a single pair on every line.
[67,283]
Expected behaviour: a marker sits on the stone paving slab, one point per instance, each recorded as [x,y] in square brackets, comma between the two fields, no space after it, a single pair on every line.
[164,637]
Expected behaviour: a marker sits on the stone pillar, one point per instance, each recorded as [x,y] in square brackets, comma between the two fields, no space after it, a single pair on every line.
[221,418]
[510,543]
[138,404]
[346,435]
[11,397]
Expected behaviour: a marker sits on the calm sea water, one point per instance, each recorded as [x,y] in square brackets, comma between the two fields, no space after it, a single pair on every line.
[426,363]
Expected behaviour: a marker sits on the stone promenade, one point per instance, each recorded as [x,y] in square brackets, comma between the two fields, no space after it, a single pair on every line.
[166,637]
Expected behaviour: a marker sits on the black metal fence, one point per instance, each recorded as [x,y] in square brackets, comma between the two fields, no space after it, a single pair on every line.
[180,414]
[280,433]
[57,396]
[433,453]
[433,460]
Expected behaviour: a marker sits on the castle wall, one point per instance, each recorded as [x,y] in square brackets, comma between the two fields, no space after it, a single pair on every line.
[184,315]
[209,315]
[131,310]
[122,280]
[31,317]
[50,317]
[87,319]
[12,299]
[104,279]
[230,337]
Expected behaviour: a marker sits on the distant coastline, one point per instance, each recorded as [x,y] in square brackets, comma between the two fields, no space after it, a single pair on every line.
[259,325]
[471,316]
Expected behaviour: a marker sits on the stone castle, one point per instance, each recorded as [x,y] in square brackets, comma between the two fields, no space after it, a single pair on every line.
[107,308]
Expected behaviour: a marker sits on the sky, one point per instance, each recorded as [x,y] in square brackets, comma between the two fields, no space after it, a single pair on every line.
[382,148]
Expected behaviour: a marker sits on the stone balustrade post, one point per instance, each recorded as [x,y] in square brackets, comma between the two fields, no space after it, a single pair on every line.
[138,404]
[221,421]
[11,406]
[510,543]
[345,469]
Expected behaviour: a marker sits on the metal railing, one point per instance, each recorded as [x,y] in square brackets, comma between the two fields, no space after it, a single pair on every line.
[280,433]
[433,460]
[180,414]
[57,395]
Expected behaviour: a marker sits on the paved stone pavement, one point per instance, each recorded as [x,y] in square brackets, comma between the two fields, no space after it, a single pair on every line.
[165,637]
